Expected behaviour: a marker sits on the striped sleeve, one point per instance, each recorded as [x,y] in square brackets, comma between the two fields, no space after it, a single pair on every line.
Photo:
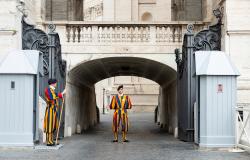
[129,103]
[51,95]
[113,104]
[48,94]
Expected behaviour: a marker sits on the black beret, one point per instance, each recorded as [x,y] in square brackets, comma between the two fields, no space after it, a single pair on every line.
[52,81]
[119,87]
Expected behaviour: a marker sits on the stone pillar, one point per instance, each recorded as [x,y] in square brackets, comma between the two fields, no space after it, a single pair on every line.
[108,10]
[135,11]
[10,26]
[237,43]
[207,10]
[40,11]
[70,10]
[48,11]
[123,10]
[78,10]
[188,10]
[163,10]
[56,10]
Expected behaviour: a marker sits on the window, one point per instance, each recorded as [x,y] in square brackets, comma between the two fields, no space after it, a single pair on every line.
[12,85]
[147,17]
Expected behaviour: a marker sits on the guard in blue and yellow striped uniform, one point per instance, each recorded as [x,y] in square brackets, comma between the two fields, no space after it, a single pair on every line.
[120,103]
[51,113]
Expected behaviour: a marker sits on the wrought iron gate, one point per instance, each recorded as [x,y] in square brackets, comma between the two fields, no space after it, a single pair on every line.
[50,47]
[208,39]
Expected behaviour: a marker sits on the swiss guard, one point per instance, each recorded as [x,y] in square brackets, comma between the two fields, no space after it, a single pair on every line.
[51,113]
[120,103]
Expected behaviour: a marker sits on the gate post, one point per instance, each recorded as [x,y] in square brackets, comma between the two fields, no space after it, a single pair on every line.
[186,87]
[190,82]
[207,39]
[52,49]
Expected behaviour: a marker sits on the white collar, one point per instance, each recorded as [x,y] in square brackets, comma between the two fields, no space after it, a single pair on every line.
[52,87]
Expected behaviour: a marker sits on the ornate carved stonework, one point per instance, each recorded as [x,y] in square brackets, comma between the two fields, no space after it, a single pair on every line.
[124,33]
[92,13]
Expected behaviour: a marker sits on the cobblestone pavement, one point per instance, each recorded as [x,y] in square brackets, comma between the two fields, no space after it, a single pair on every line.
[147,142]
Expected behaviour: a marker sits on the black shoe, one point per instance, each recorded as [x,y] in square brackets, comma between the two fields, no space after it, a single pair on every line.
[50,144]
[115,140]
[125,140]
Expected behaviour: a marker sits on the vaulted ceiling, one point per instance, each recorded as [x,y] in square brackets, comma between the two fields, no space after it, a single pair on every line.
[91,72]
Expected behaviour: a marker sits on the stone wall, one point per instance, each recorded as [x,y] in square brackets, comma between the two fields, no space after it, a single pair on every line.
[187,10]
[168,117]
[143,92]
[58,10]
[80,108]
[237,43]
[10,21]
[93,10]
[10,26]
[235,38]
[108,10]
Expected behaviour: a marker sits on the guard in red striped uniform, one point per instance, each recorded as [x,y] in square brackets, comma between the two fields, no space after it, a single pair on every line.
[120,103]
[51,113]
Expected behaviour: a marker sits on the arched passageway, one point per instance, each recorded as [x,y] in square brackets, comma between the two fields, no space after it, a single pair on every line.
[81,98]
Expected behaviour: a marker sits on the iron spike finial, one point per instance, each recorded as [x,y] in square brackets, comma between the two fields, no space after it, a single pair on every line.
[51,27]
[190,28]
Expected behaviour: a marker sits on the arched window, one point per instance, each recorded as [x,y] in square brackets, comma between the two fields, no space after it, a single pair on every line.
[147,17]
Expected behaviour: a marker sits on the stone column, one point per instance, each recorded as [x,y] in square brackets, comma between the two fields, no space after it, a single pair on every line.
[70,10]
[163,10]
[78,10]
[123,10]
[108,10]
[135,11]
[207,9]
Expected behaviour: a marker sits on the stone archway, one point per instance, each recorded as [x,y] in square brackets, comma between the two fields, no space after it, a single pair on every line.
[81,104]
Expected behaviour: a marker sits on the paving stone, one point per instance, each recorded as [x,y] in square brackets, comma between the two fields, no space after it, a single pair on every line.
[147,142]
